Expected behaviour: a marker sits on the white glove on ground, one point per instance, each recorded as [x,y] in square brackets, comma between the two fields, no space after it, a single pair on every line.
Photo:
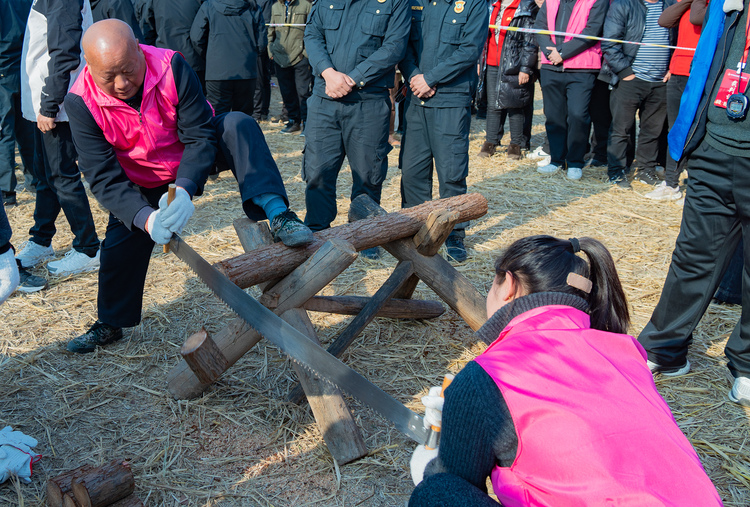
[154,227]
[16,456]
[419,461]
[433,403]
[9,278]
[176,214]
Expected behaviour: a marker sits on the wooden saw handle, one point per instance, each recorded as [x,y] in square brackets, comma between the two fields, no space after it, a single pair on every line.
[446,382]
[171,191]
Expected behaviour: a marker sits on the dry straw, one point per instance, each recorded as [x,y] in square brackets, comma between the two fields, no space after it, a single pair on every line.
[241,444]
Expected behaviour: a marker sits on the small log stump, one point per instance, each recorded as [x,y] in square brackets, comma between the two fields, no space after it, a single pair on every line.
[104,485]
[204,357]
[69,501]
[58,487]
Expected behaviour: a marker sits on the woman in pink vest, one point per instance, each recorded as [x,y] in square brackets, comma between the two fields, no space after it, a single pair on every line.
[561,409]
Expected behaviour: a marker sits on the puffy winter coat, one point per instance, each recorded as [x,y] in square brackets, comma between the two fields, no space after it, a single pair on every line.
[229,33]
[626,20]
[519,54]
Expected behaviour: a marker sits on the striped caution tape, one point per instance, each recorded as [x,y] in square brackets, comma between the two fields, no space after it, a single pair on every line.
[545,32]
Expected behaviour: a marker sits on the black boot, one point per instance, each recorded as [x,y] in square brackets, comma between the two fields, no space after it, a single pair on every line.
[99,334]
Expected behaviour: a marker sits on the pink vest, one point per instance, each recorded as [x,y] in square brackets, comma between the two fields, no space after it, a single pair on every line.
[592,429]
[146,143]
[588,59]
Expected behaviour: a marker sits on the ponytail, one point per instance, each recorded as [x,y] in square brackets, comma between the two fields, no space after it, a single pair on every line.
[548,264]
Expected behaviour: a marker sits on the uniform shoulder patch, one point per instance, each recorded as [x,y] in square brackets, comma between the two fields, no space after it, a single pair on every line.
[459,6]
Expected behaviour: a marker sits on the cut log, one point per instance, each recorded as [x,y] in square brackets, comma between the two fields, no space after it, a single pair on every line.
[436,272]
[238,337]
[104,485]
[204,357]
[392,309]
[69,501]
[58,487]
[435,231]
[128,501]
[402,272]
[276,260]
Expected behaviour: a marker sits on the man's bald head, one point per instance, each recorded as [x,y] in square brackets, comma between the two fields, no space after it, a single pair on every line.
[115,60]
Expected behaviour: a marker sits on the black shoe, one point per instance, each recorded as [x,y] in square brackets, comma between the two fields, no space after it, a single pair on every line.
[456,248]
[648,176]
[100,334]
[621,180]
[290,230]
[9,198]
[371,253]
[29,283]
[292,127]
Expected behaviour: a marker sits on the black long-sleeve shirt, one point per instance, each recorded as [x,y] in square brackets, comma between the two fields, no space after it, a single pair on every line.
[98,162]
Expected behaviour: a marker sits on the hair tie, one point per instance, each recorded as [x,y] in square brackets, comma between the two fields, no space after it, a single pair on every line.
[579,282]
[575,244]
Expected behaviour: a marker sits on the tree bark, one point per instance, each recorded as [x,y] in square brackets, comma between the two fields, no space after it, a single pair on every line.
[204,357]
[58,487]
[104,485]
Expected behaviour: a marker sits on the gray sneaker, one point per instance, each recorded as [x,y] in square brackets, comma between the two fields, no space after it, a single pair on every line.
[669,371]
[29,283]
[33,253]
[289,229]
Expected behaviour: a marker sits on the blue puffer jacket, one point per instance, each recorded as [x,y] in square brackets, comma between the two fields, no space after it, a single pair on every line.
[690,126]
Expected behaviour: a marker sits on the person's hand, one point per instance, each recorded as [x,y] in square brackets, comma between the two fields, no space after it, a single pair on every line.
[338,84]
[8,275]
[177,213]
[45,123]
[419,460]
[433,407]
[667,76]
[523,78]
[554,56]
[629,78]
[539,3]
[160,234]
[420,88]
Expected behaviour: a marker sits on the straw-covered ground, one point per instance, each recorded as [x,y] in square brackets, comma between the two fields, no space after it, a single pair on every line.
[241,444]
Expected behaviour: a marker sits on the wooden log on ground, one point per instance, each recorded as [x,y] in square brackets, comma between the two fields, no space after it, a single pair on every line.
[104,485]
[340,432]
[402,272]
[276,260]
[352,305]
[204,357]
[128,501]
[436,272]
[59,486]
[69,501]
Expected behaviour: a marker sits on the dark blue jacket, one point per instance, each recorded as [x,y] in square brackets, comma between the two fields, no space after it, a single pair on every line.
[117,9]
[364,39]
[167,23]
[446,41]
[690,126]
[13,16]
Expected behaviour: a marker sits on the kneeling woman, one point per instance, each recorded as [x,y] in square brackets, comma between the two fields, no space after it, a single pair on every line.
[561,409]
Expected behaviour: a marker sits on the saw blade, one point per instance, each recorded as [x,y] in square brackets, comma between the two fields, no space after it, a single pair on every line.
[300,348]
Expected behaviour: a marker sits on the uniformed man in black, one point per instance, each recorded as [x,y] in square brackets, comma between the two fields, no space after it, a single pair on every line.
[353,47]
[447,38]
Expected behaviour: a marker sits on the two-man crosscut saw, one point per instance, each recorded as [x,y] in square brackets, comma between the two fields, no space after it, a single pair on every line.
[303,350]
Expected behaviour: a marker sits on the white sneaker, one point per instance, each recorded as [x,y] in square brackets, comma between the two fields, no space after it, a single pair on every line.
[664,193]
[33,253]
[537,153]
[74,262]
[548,169]
[669,371]
[545,161]
[575,173]
[740,392]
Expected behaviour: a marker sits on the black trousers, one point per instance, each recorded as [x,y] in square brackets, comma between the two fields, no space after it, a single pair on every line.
[13,129]
[337,129]
[262,97]
[440,134]
[126,253]
[715,217]
[59,187]
[295,85]
[496,117]
[601,119]
[448,490]
[231,95]
[627,99]
[566,105]
[675,87]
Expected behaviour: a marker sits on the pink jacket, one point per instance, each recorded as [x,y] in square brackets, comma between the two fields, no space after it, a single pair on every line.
[146,143]
[592,428]
[588,59]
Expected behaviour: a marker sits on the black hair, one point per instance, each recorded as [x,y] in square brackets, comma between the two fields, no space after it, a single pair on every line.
[543,263]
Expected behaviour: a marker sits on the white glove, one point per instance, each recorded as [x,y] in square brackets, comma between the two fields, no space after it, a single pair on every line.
[16,456]
[419,461]
[154,227]
[8,275]
[433,407]
[176,214]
